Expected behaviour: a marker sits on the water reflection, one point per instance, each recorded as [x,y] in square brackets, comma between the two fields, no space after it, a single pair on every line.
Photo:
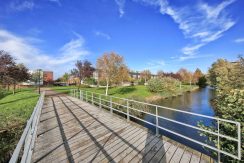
[199,102]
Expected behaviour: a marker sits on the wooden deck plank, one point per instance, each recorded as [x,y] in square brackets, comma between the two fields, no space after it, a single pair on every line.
[82,137]
[168,155]
[186,156]
[93,134]
[121,146]
[177,156]
[147,148]
[97,154]
[161,152]
[127,151]
[148,156]
[140,147]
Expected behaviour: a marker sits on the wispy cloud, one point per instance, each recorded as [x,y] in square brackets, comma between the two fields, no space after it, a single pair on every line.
[25,52]
[121,5]
[186,57]
[57,2]
[200,23]
[21,5]
[102,34]
[239,40]
[155,65]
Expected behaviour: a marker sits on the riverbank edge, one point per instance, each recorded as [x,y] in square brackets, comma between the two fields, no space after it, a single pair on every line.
[155,98]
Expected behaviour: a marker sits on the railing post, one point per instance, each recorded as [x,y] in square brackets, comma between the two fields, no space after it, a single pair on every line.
[218,143]
[128,111]
[100,101]
[80,94]
[239,140]
[111,105]
[157,121]
[92,99]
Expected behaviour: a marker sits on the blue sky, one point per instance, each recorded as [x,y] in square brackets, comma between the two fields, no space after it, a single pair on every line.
[150,34]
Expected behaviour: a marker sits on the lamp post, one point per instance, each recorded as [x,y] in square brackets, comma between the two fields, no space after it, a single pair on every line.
[39,80]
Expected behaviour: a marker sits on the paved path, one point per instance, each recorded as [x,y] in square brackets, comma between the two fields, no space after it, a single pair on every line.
[71,130]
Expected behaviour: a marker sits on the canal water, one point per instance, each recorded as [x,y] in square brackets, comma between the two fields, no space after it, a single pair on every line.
[198,101]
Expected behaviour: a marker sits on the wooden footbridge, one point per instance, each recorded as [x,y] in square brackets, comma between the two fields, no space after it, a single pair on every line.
[69,129]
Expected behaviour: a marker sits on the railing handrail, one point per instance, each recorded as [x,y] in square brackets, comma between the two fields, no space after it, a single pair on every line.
[218,149]
[29,134]
[168,108]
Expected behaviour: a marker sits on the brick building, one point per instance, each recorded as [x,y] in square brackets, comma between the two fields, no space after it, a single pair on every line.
[47,77]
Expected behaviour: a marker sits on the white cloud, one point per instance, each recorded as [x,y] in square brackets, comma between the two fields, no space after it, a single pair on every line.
[21,6]
[25,52]
[191,50]
[186,57]
[201,23]
[56,1]
[155,64]
[121,5]
[239,40]
[102,34]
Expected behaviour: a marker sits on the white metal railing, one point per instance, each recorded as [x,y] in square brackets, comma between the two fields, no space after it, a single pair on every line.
[98,99]
[27,140]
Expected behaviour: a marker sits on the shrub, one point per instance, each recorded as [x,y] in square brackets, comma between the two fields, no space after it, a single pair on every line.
[162,84]
[3,93]
[90,81]
[141,82]
[202,82]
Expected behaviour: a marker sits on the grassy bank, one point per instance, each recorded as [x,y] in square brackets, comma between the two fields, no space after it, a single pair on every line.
[135,92]
[14,112]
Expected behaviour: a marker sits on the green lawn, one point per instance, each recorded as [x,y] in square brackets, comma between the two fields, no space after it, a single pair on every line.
[15,110]
[135,92]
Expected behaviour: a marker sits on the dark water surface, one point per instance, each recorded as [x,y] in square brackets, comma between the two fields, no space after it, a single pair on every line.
[198,101]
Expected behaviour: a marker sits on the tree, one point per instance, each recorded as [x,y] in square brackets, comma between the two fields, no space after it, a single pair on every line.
[6,61]
[227,78]
[123,74]
[196,75]
[10,73]
[109,66]
[146,75]
[186,75]
[88,70]
[173,75]
[65,77]
[20,74]
[202,82]
[83,70]
[160,73]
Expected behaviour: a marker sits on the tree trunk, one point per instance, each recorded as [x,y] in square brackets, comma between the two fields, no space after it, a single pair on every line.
[107,87]
[14,88]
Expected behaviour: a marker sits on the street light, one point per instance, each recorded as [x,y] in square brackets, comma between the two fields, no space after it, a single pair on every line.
[39,80]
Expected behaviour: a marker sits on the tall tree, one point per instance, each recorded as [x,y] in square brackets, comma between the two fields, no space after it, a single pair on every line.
[196,75]
[160,73]
[18,73]
[6,61]
[186,75]
[227,79]
[109,66]
[65,77]
[83,70]
[123,74]
[146,75]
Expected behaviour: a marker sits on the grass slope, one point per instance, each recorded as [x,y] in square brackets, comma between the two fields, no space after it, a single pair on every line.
[15,110]
[138,92]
